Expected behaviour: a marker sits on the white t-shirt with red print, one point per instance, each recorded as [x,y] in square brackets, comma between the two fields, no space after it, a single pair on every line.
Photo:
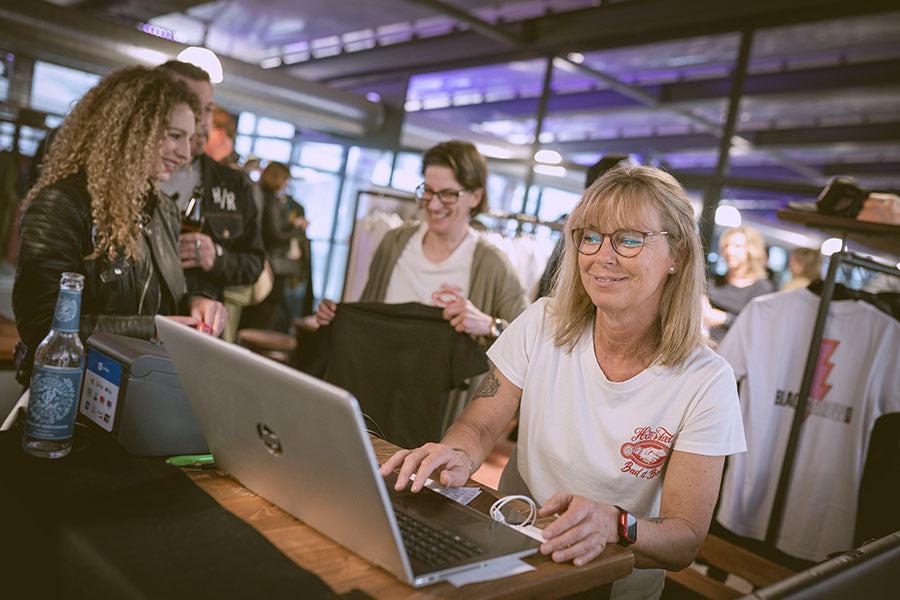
[583,434]
[580,433]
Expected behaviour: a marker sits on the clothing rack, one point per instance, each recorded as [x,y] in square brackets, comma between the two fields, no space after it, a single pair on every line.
[888,237]
[524,218]
[376,192]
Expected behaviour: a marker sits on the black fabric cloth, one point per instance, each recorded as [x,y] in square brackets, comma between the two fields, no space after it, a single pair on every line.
[119,296]
[733,299]
[231,220]
[400,361]
[876,513]
[101,524]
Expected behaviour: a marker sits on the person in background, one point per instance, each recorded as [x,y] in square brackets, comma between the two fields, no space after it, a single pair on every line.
[287,248]
[625,414]
[805,265]
[744,251]
[95,209]
[442,261]
[228,248]
[220,141]
[220,147]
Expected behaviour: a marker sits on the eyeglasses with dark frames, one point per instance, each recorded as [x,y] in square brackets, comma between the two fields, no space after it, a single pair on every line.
[627,243]
[424,194]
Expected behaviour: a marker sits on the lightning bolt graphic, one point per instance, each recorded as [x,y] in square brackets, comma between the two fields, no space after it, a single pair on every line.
[820,385]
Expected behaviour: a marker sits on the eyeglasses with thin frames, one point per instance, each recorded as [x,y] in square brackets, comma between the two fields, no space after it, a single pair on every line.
[627,243]
[424,194]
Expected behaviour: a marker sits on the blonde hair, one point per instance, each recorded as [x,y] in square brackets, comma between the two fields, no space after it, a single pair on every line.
[614,200]
[757,257]
[113,135]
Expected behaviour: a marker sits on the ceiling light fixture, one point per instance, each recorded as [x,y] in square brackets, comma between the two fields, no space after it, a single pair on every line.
[728,216]
[550,157]
[204,58]
[552,170]
[831,245]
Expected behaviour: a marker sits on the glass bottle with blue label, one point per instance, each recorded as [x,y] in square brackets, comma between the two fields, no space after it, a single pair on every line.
[56,379]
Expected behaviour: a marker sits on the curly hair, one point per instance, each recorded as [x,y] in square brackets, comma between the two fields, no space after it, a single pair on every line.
[113,136]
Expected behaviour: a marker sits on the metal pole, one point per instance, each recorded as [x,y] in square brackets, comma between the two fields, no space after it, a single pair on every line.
[714,191]
[812,361]
[538,128]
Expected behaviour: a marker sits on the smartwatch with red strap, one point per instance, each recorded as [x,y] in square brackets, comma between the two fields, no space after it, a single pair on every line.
[627,527]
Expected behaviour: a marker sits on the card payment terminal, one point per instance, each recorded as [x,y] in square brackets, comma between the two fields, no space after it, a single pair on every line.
[131,390]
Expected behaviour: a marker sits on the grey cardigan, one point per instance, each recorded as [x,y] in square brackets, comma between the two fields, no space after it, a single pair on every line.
[494,287]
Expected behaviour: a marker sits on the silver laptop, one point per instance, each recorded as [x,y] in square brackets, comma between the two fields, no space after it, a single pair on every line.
[301,443]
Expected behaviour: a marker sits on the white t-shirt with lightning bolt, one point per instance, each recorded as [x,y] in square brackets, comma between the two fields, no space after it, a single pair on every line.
[857,380]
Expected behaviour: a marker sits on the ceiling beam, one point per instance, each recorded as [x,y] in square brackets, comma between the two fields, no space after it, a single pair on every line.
[764,140]
[606,26]
[483,28]
[819,79]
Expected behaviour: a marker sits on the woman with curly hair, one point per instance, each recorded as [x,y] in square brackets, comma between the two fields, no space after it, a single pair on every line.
[96,210]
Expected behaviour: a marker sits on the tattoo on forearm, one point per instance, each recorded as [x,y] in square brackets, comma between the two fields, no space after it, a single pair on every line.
[658,520]
[489,387]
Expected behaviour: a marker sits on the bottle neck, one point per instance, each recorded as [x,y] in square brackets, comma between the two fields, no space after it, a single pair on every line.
[67,316]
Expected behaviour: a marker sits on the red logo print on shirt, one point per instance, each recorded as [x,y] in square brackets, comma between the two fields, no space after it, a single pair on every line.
[646,452]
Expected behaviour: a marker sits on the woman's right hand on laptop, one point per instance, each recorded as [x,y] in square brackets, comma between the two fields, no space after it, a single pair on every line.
[325,312]
[453,465]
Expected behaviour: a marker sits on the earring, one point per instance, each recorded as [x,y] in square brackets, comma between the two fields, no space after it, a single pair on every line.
[671,270]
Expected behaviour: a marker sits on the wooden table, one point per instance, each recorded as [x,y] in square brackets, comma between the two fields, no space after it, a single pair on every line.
[344,571]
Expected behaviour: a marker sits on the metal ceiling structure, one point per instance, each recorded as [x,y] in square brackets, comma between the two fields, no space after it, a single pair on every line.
[820,95]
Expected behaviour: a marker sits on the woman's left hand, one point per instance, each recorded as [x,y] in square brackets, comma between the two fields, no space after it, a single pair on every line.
[464,317]
[210,312]
[582,530]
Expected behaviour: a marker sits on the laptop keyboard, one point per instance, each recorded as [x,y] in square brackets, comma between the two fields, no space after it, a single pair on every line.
[431,546]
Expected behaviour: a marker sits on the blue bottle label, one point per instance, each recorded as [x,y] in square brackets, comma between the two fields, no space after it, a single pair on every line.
[68,311]
[52,402]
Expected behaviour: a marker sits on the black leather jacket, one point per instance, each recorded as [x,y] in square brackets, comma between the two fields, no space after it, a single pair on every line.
[231,221]
[119,297]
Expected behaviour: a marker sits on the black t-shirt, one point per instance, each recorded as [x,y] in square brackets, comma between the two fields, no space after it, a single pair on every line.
[400,361]
[732,299]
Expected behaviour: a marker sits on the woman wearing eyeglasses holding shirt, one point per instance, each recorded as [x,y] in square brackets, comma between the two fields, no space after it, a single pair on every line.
[625,416]
[442,261]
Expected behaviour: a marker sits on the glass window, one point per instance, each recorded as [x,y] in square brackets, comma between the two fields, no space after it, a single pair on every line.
[407,172]
[246,123]
[555,203]
[369,165]
[335,284]
[55,89]
[274,128]
[243,145]
[272,149]
[317,192]
[327,157]
[319,260]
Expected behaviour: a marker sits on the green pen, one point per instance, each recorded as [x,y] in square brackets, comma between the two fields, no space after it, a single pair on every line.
[192,460]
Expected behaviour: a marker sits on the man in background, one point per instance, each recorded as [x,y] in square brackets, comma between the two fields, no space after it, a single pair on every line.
[228,249]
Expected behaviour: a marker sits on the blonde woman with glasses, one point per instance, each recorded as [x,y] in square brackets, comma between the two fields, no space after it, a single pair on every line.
[625,415]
